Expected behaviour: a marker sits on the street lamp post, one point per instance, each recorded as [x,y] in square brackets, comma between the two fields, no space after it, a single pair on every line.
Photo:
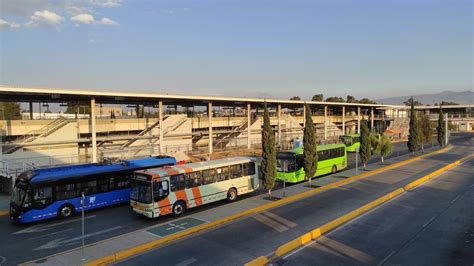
[82,205]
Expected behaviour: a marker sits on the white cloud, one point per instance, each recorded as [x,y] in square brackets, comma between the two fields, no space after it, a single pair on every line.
[108,22]
[44,17]
[8,25]
[107,3]
[87,19]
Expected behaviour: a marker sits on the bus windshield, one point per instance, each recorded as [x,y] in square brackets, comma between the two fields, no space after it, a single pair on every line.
[140,191]
[347,140]
[286,162]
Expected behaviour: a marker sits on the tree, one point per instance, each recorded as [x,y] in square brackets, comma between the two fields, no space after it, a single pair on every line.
[351,99]
[268,154]
[448,103]
[441,128]
[365,143]
[384,148]
[295,98]
[310,155]
[410,101]
[318,98]
[425,130]
[10,111]
[76,108]
[366,101]
[335,99]
[413,137]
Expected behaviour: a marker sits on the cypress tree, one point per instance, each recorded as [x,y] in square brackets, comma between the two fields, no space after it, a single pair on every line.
[441,128]
[384,148]
[310,155]
[268,164]
[425,130]
[413,137]
[365,143]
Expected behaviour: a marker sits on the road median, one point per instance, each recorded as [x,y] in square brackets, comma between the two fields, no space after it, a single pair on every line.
[317,232]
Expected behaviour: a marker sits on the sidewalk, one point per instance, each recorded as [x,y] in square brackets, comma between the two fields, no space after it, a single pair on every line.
[142,236]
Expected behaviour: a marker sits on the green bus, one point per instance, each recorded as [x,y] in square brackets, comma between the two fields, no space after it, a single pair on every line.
[331,158]
[352,141]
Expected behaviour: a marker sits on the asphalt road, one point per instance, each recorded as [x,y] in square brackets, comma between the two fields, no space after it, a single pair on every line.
[241,241]
[20,243]
[433,225]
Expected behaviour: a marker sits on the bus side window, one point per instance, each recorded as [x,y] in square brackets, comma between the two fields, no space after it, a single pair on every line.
[193,179]
[122,182]
[249,168]
[209,176]
[89,187]
[160,190]
[177,182]
[42,197]
[222,173]
[65,192]
[236,171]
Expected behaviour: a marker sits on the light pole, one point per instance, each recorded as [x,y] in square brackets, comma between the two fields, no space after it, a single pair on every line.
[357,161]
[82,204]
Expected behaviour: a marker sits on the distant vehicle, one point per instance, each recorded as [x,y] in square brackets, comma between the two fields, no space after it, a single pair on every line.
[56,192]
[173,189]
[351,141]
[331,158]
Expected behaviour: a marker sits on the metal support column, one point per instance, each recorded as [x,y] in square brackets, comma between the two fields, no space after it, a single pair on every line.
[372,119]
[279,124]
[358,119]
[343,120]
[325,122]
[160,122]
[93,131]
[31,110]
[249,123]
[209,116]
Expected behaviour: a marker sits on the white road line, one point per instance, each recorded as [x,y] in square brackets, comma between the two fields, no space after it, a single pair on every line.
[386,258]
[44,227]
[429,221]
[456,198]
[186,262]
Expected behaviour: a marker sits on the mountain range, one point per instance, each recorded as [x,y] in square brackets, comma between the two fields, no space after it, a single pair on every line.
[460,97]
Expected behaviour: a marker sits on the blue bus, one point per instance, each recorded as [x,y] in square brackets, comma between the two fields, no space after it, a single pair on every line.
[56,192]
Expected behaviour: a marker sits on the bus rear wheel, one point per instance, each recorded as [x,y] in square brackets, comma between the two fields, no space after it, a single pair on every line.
[65,211]
[232,194]
[178,208]
[334,169]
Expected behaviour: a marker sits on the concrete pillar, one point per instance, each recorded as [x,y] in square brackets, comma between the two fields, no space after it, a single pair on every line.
[31,110]
[358,119]
[343,120]
[249,123]
[304,115]
[325,122]
[160,128]
[447,130]
[209,117]
[372,119]
[93,131]
[279,123]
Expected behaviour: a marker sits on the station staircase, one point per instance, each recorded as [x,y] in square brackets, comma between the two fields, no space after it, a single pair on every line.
[223,139]
[35,135]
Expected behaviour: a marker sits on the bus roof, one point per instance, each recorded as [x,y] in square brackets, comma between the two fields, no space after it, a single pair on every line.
[65,172]
[299,150]
[350,135]
[191,167]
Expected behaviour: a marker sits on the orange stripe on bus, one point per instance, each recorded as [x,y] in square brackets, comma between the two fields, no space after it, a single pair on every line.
[181,195]
[165,206]
[197,196]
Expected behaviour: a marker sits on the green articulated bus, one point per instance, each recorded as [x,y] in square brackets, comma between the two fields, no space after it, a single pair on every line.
[351,141]
[331,158]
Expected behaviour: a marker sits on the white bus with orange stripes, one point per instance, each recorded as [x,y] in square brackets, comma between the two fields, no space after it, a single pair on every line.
[172,190]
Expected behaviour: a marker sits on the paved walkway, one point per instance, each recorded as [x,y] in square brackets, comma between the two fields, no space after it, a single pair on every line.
[129,240]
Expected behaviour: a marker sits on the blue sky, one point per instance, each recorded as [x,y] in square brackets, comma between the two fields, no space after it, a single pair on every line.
[272,49]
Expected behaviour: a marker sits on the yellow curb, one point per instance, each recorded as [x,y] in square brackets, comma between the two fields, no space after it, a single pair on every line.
[4,213]
[314,234]
[121,255]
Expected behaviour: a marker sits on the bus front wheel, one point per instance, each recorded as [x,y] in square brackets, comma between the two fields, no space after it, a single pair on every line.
[66,211]
[178,208]
[232,194]
[334,169]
